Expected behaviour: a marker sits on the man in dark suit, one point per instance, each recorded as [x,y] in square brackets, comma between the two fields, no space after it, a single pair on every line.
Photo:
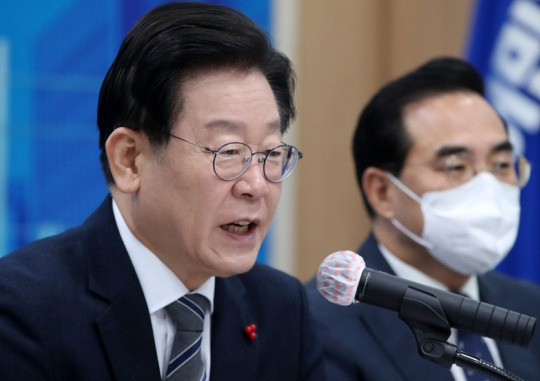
[190,115]
[436,170]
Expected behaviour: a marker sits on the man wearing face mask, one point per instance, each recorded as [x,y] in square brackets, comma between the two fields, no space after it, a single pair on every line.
[441,183]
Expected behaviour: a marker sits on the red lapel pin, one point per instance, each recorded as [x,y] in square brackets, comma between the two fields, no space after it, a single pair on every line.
[251,331]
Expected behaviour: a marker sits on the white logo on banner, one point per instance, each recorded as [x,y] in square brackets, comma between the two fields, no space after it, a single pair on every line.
[514,85]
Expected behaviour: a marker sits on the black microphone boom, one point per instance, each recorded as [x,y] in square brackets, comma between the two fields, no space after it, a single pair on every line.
[343,278]
[388,291]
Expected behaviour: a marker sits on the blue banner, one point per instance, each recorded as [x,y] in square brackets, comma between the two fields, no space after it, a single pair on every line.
[505,47]
[53,57]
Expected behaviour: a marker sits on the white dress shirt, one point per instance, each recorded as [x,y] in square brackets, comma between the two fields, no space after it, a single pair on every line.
[406,271]
[161,287]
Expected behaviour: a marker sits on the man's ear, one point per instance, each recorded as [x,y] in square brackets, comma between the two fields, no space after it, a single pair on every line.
[124,148]
[377,187]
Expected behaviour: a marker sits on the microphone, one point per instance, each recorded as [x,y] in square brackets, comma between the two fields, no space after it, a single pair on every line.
[343,278]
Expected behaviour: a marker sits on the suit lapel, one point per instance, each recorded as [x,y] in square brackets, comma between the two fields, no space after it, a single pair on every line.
[234,356]
[124,326]
[126,333]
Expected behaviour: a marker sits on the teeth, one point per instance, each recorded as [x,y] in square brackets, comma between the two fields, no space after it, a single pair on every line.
[237,227]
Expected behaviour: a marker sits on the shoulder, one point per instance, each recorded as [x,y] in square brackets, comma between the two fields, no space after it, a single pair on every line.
[260,270]
[39,258]
[42,274]
[507,284]
[510,293]
[520,296]
[38,278]
[51,260]
[268,291]
[270,282]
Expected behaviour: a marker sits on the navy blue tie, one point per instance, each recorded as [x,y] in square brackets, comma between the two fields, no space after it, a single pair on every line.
[186,362]
[474,345]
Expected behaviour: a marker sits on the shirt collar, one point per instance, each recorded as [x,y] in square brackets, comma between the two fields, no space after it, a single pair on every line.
[159,284]
[406,271]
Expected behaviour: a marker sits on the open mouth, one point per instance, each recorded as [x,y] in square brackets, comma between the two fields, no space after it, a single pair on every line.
[239,227]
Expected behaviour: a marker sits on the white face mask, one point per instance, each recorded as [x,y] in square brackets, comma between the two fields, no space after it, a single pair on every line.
[469,228]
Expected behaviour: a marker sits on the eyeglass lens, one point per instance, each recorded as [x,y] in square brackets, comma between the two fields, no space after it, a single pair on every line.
[512,170]
[233,159]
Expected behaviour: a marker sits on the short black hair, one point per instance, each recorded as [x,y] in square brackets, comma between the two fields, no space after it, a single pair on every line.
[380,138]
[143,88]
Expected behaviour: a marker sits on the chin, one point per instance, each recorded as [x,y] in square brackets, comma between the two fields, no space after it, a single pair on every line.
[239,265]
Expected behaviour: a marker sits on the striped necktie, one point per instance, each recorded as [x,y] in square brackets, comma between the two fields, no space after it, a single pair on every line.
[186,362]
[473,345]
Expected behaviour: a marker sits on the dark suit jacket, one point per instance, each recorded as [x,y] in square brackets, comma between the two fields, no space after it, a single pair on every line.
[72,308]
[365,342]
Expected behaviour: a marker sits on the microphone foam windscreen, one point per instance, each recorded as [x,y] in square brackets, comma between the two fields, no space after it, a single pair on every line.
[338,277]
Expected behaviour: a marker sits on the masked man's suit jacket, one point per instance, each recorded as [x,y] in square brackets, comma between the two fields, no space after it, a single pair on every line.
[72,308]
[365,342]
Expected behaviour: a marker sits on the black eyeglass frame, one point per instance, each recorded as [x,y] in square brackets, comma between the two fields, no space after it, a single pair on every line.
[259,160]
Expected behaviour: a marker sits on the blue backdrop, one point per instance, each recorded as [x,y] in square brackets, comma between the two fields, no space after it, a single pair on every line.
[505,47]
[53,57]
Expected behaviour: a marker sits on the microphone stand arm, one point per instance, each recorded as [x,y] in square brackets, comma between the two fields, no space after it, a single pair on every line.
[423,313]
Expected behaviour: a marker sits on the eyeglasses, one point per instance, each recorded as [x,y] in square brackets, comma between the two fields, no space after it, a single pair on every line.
[231,160]
[510,169]
[460,168]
